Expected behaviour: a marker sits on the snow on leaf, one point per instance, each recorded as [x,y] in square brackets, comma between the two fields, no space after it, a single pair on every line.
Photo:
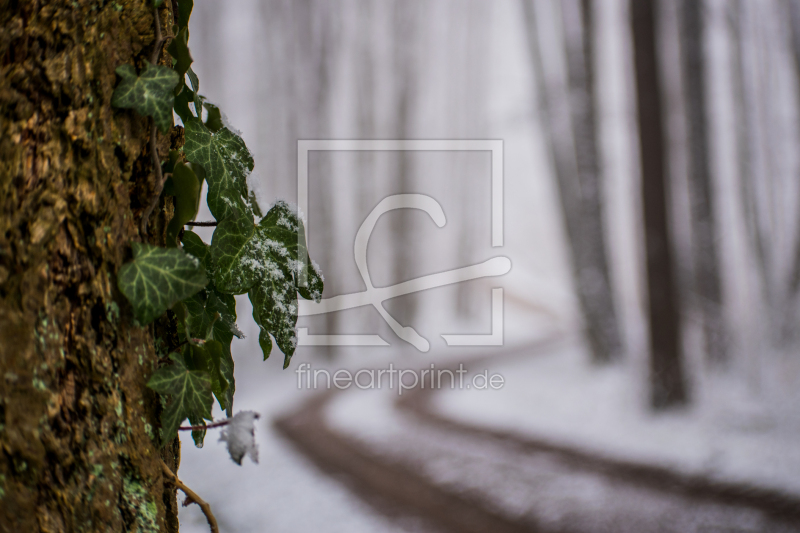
[190,391]
[149,94]
[275,312]
[227,163]
[266,261]
[157,278]
[240,435]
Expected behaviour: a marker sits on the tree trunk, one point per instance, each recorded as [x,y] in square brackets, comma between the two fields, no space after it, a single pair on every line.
[589,249]
[570,131]
[667,386]
[77,425]
[707,285]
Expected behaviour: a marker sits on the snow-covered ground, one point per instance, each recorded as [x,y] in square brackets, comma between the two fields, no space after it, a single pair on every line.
[537,488]
[554,395]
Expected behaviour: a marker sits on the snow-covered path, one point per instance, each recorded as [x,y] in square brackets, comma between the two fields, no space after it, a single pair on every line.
[523,488]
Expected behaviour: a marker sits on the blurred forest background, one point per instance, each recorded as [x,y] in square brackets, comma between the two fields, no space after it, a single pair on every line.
[557,82]
[652,177]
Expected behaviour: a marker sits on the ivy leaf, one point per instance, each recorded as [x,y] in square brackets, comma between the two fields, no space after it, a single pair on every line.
[194,245]
[231,250]
[149,94]
[267,260]
[186,185]
[227,163]
[198,435]
[208,357]
[179,49]
[184,12]
[275,312]
[190,391]
[181,103]
[157,278]
[245,254]
[214,120]
[211,314]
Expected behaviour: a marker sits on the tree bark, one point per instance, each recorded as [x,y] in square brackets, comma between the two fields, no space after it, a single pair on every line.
[667,383]
[707,284]
[77,425]
[571,132]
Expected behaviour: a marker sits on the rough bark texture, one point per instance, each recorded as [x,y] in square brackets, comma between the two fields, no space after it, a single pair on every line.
[667,384]
[78,427]
[570,131]
[707,284]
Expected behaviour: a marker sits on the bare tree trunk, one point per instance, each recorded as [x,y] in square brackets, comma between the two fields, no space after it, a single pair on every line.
[80,452]
[667,382]
[706,270]
[405,33]
[794,282]
[572,137]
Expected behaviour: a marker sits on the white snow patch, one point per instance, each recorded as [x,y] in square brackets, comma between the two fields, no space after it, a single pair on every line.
[240,434]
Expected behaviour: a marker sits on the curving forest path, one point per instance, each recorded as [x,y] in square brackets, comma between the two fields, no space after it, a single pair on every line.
[422,469]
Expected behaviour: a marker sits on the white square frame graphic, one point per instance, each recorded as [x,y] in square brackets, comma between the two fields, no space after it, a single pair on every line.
[494,146]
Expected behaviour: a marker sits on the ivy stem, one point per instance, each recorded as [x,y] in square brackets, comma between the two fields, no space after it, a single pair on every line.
[191,497]
[159,40]
[205,426]
[208,224]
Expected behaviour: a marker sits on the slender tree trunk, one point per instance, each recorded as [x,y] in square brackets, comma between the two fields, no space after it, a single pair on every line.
[589,250]
[667,383]
[404,251]
[790,325]
[571,132]
[707,285]
[77,424]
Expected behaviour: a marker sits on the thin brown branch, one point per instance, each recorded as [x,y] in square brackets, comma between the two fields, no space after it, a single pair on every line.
[206,426]
[207,224]
[191,497]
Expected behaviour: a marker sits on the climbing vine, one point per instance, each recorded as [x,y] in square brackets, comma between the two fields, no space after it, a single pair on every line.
[263,255]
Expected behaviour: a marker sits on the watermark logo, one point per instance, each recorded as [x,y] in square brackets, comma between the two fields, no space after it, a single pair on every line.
[399,379]
[375,296]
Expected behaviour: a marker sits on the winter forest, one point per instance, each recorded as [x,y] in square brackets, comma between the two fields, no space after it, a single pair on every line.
[652,218]
[560,242]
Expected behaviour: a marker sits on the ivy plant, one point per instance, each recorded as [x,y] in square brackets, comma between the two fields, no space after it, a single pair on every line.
[263,255]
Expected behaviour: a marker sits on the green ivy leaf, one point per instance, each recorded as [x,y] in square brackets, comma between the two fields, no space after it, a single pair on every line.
[190,391]
[231,250]
[179,50]
[149,94]
[227,163]
[275,312]
[157,278]
[186,186]
[267,261]
[194,245]
[214,120]
[184,12]
[202,311]
[209,357]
